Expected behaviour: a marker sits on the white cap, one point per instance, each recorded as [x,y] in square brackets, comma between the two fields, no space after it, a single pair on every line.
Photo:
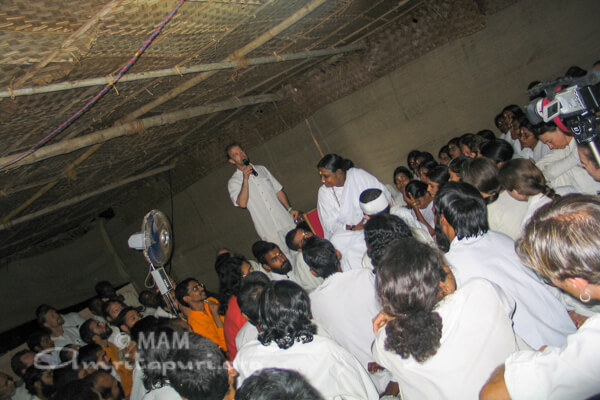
[375,206]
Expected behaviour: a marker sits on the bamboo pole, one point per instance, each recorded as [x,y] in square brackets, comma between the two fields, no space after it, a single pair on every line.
[70,145]
[253,45]
[64,45]
[219,66]
[82,197]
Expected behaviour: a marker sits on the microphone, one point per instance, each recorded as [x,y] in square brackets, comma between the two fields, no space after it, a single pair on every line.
[246,162]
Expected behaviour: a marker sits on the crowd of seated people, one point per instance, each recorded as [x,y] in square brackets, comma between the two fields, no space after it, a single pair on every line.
[475,275]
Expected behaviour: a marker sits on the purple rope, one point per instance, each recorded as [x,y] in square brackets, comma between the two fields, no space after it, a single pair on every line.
[101,93]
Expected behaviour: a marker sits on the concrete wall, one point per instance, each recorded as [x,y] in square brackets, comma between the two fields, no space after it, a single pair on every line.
[454,89]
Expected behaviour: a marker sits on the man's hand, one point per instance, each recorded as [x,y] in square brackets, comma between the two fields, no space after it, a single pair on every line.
[247,171]
[295,214]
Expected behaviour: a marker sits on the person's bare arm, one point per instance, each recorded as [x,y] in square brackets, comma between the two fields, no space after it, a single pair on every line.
[242,199]
[214,310]
[495,388]
[283,199]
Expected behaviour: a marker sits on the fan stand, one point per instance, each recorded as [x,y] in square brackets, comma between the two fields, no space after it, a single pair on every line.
[163,283]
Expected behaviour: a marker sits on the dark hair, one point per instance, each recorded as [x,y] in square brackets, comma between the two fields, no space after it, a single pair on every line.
[16,364]
[230,280]
[260,250]
[456,165]
[78,389]
[284,315]
[277,384]
[68,353]
[412,154]
[40,314]
[407,285]
[514,109]
[445,149]
[487,135]
[35,339]
[252,287]
[229,147]
[320,256]
[85,331]
[403,170]
[333,162]
[102,286]
[483,174]
[291,235]
[473,142]
[199,371]
[148,298]
[575,72]
[88,355]
[380,231]
[181,290]
[107,304]
[416,188]
[455,141]
[120,320]
[426,156]
[523,176]
[154,342]
[439,174]
[63,376]
[104,391]
[498,151]
[428,164]
[497,120]
[463,207]
[543,127]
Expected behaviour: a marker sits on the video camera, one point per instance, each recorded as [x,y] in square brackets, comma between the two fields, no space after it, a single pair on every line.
[573,103]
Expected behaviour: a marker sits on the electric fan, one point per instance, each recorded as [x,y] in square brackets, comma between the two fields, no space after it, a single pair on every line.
[156,242]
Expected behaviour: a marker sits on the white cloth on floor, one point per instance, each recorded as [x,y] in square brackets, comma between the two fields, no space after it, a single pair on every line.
[570,372]
[477,336]
[540,318]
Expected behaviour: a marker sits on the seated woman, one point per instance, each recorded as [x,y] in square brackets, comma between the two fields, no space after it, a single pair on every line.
[231,269]
[402,176]
[568,255]
[525,182]
[435,177]
[424,168]
[421,203]
[444,156]
[455,168]
[439,342]
[531,147]
[505,213]
[338,204]
[288,340]
[499,151]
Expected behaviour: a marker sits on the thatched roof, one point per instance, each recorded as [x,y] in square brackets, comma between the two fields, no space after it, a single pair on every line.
[52,195]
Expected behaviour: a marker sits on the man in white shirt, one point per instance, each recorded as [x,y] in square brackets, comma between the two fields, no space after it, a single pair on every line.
[344,304]
[561,166]
[276,265]
[540,318]
[254,188]
[60,332]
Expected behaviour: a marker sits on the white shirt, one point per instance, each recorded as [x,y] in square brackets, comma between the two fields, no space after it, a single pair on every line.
[506,214]
[300,273]
[418,230]
[562,168]
[340,206]
[271,220]
[571,372]
[476,337]
[540,318]
[352,246]
[539,200]
[516,145]
[540,150]
[334,372]
[247,333]
[70,336]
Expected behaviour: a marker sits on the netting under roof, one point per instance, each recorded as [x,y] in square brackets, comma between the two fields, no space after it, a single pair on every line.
[49,41]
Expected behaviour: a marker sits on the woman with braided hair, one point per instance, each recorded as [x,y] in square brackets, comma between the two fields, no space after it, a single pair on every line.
[525,182]
[438,342]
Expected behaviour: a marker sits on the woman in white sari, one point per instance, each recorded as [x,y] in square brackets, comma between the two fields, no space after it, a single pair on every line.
[338,199]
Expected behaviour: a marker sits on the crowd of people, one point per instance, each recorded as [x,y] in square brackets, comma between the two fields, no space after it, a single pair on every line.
[475,275]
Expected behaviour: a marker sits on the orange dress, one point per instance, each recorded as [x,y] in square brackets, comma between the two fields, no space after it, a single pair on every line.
[121,368]
[203,324]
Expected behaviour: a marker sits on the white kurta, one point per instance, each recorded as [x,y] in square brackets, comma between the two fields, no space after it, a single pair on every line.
[345,305]
[299,274]
[340,206]
[571,372]
[477,336]
[247,333]
[539,200]
[418,230]
[271,220]
[516,145]
[562,168]
[540,318]
[540,150]
[331,369]
[506,214]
